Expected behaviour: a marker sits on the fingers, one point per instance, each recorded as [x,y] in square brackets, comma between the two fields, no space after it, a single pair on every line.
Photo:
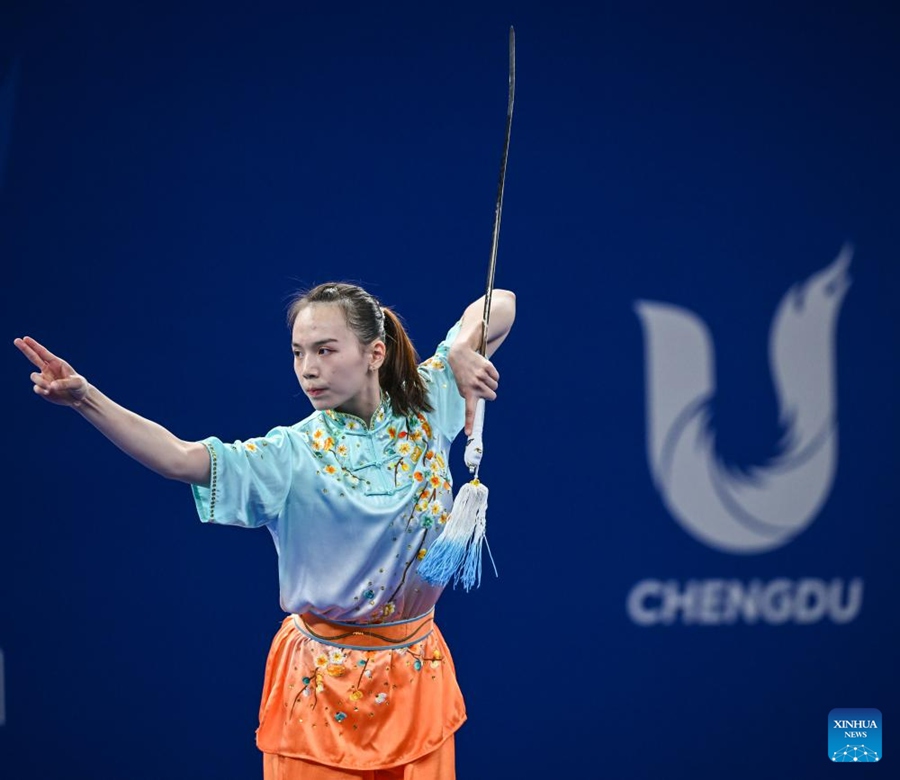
[487,387]
[37,353]
[486,381]
[490,383]
[488,395]
[471,403]
[41,381]
[42,352]
[64,385]
[472,408]
[60,391]
[492,376]
[26,350]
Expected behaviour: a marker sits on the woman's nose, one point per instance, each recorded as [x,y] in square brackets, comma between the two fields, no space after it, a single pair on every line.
[309,368]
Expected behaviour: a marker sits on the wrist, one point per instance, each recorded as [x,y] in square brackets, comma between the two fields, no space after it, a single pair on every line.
[88,402]
[468,339]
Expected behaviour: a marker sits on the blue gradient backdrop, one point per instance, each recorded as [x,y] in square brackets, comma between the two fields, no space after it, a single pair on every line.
[172,172]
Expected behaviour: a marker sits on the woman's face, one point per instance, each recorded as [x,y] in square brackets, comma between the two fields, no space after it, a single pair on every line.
[333,368]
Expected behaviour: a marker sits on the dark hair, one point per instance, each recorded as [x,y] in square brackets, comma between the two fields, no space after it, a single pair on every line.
[369,320]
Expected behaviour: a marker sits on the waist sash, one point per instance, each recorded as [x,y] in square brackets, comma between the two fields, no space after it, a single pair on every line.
[365,636]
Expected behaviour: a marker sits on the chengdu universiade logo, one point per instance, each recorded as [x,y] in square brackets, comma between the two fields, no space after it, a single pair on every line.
[767,506]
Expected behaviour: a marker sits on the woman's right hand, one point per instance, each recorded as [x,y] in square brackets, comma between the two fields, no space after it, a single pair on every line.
[56,380]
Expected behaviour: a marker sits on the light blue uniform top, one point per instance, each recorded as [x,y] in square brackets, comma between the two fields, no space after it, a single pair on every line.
[352,507]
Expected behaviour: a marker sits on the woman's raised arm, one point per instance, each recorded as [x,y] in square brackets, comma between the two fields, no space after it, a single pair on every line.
[476,376]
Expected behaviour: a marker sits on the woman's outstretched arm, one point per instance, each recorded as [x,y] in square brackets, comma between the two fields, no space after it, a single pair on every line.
[144,440]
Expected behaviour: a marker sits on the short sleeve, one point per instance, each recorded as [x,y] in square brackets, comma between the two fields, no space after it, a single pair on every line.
[449,415]
[249,480]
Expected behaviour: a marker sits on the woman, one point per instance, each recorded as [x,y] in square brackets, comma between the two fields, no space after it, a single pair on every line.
[359,682]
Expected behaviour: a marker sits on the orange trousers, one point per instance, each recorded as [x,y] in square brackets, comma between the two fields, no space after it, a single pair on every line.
[439,765]
[365,701]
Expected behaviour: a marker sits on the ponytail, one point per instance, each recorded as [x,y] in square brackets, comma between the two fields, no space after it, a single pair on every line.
[399,375]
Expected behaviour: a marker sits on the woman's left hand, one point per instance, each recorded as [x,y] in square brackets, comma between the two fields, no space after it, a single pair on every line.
[476,377]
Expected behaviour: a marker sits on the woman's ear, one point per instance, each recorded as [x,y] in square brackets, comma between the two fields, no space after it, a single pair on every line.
[378,353]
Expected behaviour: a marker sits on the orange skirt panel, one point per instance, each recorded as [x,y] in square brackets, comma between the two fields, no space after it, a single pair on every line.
[344,701]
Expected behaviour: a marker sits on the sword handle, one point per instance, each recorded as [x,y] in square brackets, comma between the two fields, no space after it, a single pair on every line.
[474,444]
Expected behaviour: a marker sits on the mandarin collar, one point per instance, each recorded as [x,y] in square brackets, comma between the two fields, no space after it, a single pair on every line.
[352,423]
